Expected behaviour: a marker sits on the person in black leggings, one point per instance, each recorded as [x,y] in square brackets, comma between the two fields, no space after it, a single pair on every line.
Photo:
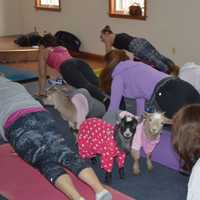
[74,71]
[80,75]
[141,48]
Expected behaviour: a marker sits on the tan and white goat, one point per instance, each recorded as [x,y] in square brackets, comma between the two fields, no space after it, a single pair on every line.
[147,136]
[62,103]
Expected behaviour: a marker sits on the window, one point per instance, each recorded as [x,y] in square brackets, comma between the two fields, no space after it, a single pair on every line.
[48,4]
[135,9]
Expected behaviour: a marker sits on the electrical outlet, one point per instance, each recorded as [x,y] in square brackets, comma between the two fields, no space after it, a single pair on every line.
[173,50]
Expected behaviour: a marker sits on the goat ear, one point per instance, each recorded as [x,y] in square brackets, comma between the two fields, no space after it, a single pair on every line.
[51,88]
[146,114]
[167,121]
[65,88]
[118,122]
[138,118]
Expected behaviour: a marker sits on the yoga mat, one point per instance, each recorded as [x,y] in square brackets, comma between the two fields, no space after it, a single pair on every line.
[19,181]
[97,71]
[18,75]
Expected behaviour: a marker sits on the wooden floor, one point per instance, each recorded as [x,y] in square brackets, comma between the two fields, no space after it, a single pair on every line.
[25,58]
[33,66]
[11,52]
[7,44]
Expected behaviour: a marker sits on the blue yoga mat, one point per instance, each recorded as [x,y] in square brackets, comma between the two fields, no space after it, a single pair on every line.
[18,75]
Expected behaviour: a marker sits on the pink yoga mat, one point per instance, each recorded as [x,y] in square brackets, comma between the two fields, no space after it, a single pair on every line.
[19,181]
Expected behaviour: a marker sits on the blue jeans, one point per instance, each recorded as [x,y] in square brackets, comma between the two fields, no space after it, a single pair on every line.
[36,140]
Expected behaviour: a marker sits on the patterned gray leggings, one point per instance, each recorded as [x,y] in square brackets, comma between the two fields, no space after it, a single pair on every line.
[147,53]
[37,141]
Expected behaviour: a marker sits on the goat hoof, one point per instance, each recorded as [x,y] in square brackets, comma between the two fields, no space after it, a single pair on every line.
[94,160]
[136,170]
[149,166]
[108,178]
[121,173]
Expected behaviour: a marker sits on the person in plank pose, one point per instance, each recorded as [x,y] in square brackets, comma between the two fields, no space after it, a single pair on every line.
[141,48]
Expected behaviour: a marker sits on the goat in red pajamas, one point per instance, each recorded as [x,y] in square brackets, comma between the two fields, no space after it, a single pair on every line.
[96,137]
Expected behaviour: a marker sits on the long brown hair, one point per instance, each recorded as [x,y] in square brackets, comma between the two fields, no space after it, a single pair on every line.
[48,40]
[186,134]
[112,58]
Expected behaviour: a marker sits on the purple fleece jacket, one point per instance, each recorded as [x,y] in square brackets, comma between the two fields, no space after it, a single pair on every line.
[134,80]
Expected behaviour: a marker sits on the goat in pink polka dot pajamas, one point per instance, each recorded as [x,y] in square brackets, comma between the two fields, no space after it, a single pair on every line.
[96,137]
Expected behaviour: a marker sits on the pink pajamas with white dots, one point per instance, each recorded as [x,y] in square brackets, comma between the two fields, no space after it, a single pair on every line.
[96,137]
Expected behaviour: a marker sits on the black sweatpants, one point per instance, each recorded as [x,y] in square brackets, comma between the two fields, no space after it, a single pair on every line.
[170,94]
[80,75]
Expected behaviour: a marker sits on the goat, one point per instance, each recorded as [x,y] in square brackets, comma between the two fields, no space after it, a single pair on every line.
[125,129]
[56,96]
[98,137]
[147,136]
[61,102]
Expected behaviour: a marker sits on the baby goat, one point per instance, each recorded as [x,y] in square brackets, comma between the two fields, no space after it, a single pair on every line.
[97,137]
[73,109]
[147,136]
[125,130]
[62,103]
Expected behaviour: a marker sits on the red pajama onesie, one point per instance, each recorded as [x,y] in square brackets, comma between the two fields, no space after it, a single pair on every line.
[96,136]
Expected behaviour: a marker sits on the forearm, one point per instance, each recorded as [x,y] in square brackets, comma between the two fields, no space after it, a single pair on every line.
[42,78]
[116,94]
[108,47]
[41,84]
[140,102]
[42,73]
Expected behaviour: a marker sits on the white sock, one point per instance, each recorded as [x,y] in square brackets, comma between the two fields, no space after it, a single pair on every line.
[104,195]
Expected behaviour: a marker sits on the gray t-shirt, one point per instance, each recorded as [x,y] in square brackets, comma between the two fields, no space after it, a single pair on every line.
[112,117]
[13,97]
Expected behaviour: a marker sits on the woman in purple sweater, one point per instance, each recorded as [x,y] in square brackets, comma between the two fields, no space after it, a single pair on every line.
[136,80]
